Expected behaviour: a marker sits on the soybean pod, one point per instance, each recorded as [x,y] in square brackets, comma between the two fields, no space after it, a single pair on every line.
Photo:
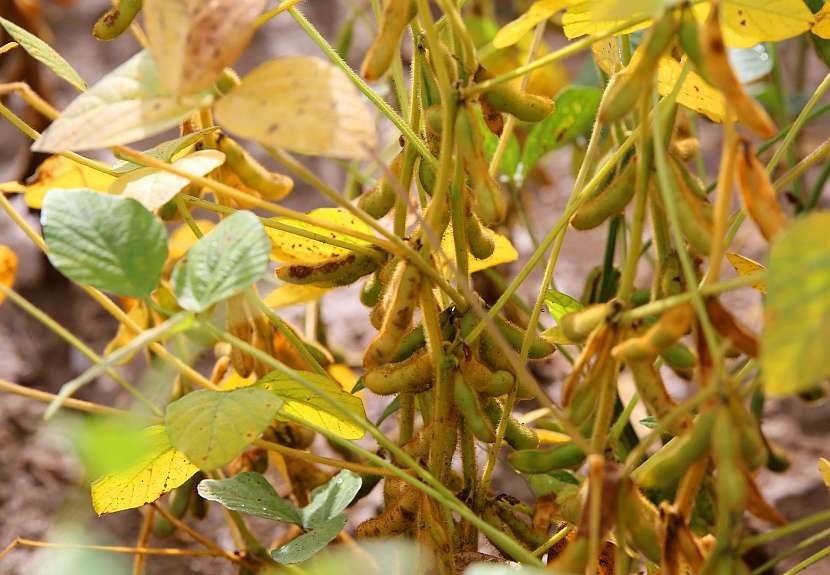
[726,448]
[517,434]
[336,271]
[412,375]
[271,185]
[485,380]
[653,392]
[395,18]
[610,202]
[399,304]
[117,19]
[507,98]
[758,195]
[468,404]
[672,325]
[561,456]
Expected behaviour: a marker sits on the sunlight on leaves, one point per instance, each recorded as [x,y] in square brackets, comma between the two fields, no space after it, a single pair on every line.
[502,254]
[292,294]
[59,172]
[539,11]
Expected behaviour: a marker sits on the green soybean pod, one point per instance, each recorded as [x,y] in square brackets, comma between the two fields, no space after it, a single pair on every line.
[689,37]
[726,448]
[506,97]
[337,271]
[379,200]
[754,451]
[117,19]
[395,18]
[671,461]
[490,202]
[399,303]
[540,348]
[485,380]
[561,456]
[653,392]
[678,356]
[610,202]
[578,325]
[479,238]
[410,343]
[640,520]
[467,402]
[517,434]
[412,375]
[371,291]
[271,185]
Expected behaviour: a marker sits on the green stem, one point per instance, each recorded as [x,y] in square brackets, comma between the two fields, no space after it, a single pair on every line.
[789,529]
[812,559]
[787,553]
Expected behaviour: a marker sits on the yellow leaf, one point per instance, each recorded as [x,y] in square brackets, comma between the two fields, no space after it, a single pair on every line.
[745,266]
[8,268]
[822,26]
[59,172]
[502,254]
[183,238]
[554,335]
[293,249]
[153,188]
[141,316]
[234,381]
[596,17]
[192,41]
[695,93]
[161,469]
[539,11]
[301,103]
[749,22]
[293,294]
[304,403]
[824,469]
[343,375]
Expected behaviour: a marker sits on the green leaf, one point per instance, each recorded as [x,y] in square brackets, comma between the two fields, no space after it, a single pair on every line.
[487,569]
[797,326]
[309,544]
[650,422]
[311,405]
[164,151]
[111,243]
[388,557]
[561,304]
[249,493]
[331,499]
[576,107]
[128,104]
[43,53]
[213,427]
[231,257]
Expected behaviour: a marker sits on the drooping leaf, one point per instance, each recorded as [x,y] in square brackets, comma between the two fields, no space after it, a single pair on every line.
[193,41]
[8,268]
[749,22]
[561,304]
[249,493]
[293,294]
[43,53]
[59,172]
[576,107]
[213,427]
[310,543]
[593,17]
[291,248]
[111,243]
[229,258]
[128,104]
[160,469]
[331,499]
[539,11]
[797,324]
[503,253]
[153,188]
[308,404]
[165,151]
[745,266]
[300,103]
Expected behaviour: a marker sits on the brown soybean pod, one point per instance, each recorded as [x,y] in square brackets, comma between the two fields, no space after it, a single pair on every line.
[728,327]
[395,18]
[400,302]
[578,325]
[639,519]
[758,195]
[694,214]
[336,271]
[610,202]
[653,392]
[724,79]
[271,185]
[412,375]
[395,520]
[672,325]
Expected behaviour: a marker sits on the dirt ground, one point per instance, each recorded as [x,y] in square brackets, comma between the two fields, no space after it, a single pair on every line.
[42,482]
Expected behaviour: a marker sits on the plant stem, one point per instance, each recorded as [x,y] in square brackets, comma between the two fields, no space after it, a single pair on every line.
[787,553]
[794,527]
[71,402]
[798,123]
[723,199]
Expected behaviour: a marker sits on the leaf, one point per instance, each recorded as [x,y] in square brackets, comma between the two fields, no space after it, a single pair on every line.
[503,253]
[746,23]
[824,469]
[331,499]
[193,41]
[300,401]
[59,172]
[555,336]
[294,249]
[695,94]
[160,470]
[292,294]
[561,304]
[128,104]
[43,53]
[371,557]
[300,103]
[797,323]
[229,258]
[538,12]
[110,243]
[183,238]
[153,188]
[164,151]
[8,268]
[213,427]
[750,64]
[488,569]
[309,544]
[593,17]
[576,107]
[512,153]
[745,266]
[249,493]
[822,26]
